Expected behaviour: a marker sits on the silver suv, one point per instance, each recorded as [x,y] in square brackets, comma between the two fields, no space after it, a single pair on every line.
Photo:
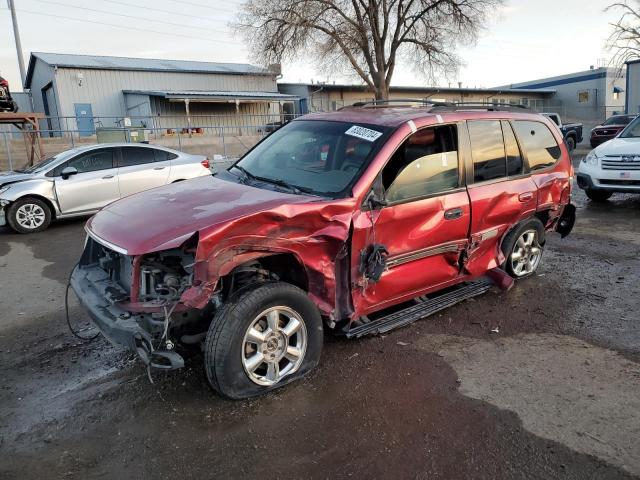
[82,180]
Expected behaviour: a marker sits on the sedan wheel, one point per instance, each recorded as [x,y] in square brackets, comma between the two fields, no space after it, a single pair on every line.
[526,254]
[30,216]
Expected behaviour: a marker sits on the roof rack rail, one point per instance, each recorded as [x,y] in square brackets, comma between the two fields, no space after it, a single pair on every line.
[491,107]
[382,103]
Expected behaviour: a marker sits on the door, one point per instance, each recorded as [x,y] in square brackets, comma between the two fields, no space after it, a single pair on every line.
[94,186]
[84,119]
[142,168]
[500,189]
[424,226]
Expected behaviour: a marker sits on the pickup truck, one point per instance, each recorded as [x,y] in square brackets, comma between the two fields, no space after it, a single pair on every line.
[572,132]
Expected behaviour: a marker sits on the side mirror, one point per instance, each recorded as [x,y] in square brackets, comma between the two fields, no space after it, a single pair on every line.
[374,202]
[68,171]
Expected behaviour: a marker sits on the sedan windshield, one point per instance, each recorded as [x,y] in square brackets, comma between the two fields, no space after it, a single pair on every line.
[632,130]
[312,156]
[618,120]
[38,167]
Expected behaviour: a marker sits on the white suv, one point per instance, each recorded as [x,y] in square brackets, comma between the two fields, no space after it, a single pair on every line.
[613,167]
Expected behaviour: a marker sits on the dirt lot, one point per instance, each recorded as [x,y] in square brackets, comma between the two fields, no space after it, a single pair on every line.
[554,394]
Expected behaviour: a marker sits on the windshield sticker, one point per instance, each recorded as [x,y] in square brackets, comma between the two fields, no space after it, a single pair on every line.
[363,133]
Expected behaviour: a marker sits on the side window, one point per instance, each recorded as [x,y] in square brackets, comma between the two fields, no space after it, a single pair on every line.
[514,157]
[163,155]
[425,164]
[487,150]
[539,144]
[136,156]
[88,162]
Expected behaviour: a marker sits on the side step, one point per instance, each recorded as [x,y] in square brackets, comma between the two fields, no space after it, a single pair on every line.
[422,310]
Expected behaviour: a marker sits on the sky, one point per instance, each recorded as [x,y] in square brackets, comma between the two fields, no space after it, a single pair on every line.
[524,40]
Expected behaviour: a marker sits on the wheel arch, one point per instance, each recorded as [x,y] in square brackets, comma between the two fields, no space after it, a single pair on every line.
[47,201]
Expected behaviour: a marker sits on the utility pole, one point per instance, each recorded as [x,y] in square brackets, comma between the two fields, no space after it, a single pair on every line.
[16,34]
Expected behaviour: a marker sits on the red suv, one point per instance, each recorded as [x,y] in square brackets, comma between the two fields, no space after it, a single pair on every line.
[326,224]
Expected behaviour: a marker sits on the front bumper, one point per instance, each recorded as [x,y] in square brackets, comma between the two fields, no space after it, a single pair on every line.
[99,295]
[587,182]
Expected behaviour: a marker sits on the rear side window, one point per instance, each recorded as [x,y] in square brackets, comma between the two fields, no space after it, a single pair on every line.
[514,157]
[538,142]
[136,156]
[425,164]
[487,150]
[163,155]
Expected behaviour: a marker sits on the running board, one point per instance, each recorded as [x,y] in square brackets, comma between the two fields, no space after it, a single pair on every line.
[421,310]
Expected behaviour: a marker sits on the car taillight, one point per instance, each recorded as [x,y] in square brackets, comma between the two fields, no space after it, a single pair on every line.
[4,83]
[205,163]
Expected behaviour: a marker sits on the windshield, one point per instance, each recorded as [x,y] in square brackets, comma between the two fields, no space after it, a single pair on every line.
[38,167]
[619,120]
[312,156]
[632,130]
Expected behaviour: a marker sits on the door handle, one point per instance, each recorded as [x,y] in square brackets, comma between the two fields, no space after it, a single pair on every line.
[107,177]
[453,214]
[525,197]
[159,168]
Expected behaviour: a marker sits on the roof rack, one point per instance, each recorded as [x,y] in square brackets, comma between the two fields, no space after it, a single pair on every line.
[444,106]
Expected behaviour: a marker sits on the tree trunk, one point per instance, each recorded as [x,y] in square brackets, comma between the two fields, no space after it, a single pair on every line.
[382,89]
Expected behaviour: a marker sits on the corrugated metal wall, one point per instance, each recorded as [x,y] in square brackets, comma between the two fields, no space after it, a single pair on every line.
[633,85]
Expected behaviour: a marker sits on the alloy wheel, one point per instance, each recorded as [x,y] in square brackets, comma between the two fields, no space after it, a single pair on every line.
[274,345]
[30,216]
[526,254]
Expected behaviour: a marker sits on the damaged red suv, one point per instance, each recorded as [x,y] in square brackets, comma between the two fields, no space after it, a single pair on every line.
[358,221]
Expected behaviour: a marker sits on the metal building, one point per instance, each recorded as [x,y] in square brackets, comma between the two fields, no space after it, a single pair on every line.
[589,96]
[80,92]
[633,86]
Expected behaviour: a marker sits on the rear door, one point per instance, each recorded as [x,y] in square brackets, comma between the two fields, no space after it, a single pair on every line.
[94,186]
[424,225]
[140,168]
[500,189]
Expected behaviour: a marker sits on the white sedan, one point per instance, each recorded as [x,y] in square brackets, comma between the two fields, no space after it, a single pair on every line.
[81,181]
[613,167]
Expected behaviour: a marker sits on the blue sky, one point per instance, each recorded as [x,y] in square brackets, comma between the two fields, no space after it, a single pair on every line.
[524,40]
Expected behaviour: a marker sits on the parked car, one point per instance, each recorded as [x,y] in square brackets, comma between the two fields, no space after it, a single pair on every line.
[572,132]
[82,180]
[326,223]
[611,127]
[613,167]
[7,103]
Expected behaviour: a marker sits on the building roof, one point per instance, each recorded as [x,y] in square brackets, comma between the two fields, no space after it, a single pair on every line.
[394,88]
[632,62]
[141,64]
[213,95]
[566,79]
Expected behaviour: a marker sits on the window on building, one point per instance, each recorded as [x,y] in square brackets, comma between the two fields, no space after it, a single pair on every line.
[524,101]
[538,142]
[583,96]
[426,164]
[487,150]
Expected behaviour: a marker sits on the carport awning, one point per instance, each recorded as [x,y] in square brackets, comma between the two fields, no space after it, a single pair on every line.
[215,95]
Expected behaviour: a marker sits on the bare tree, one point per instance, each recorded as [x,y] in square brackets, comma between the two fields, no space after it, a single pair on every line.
[370,37]
[624,40]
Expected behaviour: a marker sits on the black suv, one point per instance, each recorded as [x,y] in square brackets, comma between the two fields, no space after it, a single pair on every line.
[7,104]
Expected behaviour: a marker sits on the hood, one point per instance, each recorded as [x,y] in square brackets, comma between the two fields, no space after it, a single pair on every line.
[609,127]
[165,217]
[13,177]
[619,146]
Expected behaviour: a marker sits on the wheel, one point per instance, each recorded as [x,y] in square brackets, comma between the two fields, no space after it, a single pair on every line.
[593,144]
[523,248]
[14,106]
[571,144]
[263,339]
[598,195]
[29,215]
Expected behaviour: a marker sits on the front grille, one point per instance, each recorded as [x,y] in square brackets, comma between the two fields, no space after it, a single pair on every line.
[621,162]
[630,183]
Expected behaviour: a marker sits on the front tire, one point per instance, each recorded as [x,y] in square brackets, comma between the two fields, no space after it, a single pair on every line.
[523,248]
[571,144]
[262,339]
[598,195]
[29,215]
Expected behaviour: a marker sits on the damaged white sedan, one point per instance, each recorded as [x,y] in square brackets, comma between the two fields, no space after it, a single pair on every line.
[81,181]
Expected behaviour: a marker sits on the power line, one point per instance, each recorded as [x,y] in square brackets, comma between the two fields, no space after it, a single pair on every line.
[95,22]
[170,12]
[200,5]
[133,17]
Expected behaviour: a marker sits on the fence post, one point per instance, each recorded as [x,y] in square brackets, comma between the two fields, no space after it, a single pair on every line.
[8,147]
[179,140]
[224,145]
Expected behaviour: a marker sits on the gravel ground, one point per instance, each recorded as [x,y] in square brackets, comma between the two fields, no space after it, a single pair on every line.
[553,394]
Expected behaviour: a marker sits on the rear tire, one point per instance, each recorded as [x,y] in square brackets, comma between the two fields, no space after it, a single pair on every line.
[523,248]
[29,215]
[598,195]
[571,144]
[261,340]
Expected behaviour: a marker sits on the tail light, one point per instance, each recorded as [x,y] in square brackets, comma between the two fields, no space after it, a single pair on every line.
[205,163]
[4,83]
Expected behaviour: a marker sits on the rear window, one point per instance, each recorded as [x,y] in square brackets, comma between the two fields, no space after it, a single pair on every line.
[538,142]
